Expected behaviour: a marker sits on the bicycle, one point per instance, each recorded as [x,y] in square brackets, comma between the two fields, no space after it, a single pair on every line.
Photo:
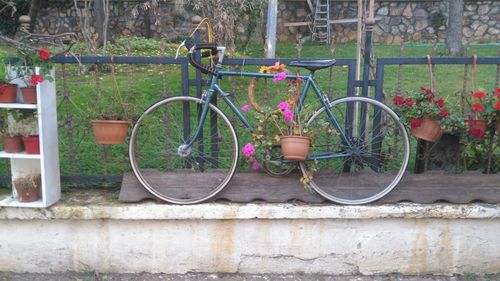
[185,150]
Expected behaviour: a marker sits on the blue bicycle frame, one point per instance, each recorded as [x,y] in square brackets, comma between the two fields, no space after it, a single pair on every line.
[309,83]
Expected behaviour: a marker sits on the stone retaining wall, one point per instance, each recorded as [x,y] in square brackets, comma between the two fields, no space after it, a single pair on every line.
[397,20]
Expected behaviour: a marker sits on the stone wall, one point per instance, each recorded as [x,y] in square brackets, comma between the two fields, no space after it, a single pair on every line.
[396,20]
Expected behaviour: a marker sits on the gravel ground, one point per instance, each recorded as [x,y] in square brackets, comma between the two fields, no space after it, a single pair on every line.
[92,276]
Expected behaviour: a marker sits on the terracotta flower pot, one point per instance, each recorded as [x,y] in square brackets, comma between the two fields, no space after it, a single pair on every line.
[27,191]
[110,131]
[8,93]
[429,130]
[477,128]
[29,94]
[32,144]
[295,147]
[12,144]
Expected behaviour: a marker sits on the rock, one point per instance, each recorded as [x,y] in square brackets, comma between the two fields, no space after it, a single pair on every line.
[395,21]
[421,24]
[407,12]
[385,27]
[281,6]
[483,9]
[420,14]
[410,30]
[475,25]
[481,30]
[394,30]
[395,11]
[493,31]
[468,32]
[397,40]
[388,39]
[384,11]
[402,28]
[484,19]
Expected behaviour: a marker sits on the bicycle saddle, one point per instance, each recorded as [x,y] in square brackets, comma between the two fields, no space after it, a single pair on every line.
[313,65]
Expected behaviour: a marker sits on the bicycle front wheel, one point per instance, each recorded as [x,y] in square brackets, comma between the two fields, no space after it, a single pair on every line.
[173,171]
[361,161]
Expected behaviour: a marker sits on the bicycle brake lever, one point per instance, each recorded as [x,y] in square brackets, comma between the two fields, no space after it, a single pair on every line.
[179,48]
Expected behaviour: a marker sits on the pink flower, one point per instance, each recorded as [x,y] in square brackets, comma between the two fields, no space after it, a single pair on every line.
[288,115]
[477,107]
[246,107]
[415,123]
[409,102]
[35,79]
[479,95]
[248,150]
[444,113]
[255,165]
[398,100]
[283,105]
[280,76]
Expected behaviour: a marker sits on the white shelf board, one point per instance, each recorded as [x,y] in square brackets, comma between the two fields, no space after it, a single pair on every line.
[20,155]
[18,105]
[9,201]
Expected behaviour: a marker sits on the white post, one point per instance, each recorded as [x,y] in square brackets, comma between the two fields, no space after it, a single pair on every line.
[270,45]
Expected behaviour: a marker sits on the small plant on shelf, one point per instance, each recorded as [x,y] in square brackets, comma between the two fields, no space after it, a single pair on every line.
[28,187]
[422,111]
[12,126]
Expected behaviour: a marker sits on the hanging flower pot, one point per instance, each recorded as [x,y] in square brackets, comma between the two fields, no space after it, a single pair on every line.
[477,128]
[29,95]
[12,144]
[428,130]
[110,131]
[28,188]
[295,147]
[8,93]
[32,144]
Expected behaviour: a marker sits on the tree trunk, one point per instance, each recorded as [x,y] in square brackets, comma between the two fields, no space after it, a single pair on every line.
[33,13]
[455,26]
[99,21]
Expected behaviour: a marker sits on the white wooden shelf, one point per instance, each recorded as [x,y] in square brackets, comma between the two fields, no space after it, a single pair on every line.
[47,162]
[18,105]
[20,155]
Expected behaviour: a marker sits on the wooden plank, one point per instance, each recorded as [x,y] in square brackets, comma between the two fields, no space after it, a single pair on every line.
[419,188]
[309,23]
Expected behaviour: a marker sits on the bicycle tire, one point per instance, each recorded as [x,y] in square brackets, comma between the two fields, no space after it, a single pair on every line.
[379,157]
[172,172]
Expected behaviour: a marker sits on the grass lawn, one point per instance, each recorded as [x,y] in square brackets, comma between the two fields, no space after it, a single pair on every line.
[82,92]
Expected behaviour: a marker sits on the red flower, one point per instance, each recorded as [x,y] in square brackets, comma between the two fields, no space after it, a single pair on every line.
[444,113]
[477,107]
[398,100]
[440,103]
[479,95]
[426,91]
[415,123]
[35,79]
[497,105]
[497,91]
[476,133]
[44,54]
[409,102]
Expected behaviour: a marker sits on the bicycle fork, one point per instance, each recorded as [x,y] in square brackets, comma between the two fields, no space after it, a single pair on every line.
[184,150]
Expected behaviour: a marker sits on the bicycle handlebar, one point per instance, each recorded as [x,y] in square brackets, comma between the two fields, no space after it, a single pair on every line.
[212,50]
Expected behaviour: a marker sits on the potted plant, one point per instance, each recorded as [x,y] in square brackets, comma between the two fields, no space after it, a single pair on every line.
[11,127]
[483,110]
[110,117]
[28,187]
[278,124]
[8,91]
[29,131]
[422,111]
[32,67]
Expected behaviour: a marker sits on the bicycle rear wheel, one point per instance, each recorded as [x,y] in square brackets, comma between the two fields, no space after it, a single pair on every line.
[371,166]
[169,169]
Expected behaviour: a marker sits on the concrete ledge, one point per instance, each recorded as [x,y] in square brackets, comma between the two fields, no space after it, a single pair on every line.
[106,236]
[232,211]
